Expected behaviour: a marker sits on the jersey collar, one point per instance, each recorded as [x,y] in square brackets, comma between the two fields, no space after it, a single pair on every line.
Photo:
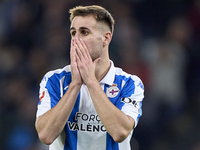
[110,76]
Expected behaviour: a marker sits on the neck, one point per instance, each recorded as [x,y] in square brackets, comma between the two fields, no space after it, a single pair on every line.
[102,68]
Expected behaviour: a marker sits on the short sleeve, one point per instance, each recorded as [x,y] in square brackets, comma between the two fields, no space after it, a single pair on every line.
[48,94]
[133,99]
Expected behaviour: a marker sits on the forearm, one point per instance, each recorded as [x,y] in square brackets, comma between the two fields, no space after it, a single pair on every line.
[117,124]
[51,124]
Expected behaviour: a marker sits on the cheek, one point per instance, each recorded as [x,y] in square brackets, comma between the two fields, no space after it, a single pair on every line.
[95,48]
[98,42]
[94,44]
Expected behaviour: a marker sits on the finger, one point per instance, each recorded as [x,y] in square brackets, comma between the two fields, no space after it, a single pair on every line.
[73,51]
[96,61]
[85,48]
[82,47]
[79,55]
[77,58]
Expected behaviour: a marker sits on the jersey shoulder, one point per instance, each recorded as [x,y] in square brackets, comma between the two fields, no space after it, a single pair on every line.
[56,74]
[58,71]
[125,75]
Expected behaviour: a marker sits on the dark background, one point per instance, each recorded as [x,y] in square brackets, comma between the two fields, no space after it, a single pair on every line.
[157,40]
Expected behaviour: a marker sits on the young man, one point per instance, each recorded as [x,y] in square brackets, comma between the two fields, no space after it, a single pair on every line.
[90,104]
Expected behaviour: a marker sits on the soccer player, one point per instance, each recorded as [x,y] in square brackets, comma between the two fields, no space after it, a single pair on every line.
[89,104]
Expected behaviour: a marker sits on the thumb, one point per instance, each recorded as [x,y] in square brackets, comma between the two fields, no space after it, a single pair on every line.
[97,60]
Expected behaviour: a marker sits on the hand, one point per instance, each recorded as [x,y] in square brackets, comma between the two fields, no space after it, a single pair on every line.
[84,61]
[76,77]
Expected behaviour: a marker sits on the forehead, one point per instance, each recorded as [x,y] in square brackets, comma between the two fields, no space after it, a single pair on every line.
[86,21]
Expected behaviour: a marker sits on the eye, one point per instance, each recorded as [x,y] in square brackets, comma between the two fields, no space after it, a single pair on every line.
[84,32]
[73,33]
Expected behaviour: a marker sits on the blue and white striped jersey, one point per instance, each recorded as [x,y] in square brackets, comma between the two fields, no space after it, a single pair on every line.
[84,130]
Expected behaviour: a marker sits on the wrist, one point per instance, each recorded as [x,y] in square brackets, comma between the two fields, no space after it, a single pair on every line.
[91,83]
[74,84]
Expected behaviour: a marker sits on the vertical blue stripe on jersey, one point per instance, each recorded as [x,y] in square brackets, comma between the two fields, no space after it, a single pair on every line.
[71,136]
[53,86]
[71,139]
[110,143]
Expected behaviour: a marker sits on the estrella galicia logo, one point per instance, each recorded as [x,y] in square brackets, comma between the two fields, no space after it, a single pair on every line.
[129,101]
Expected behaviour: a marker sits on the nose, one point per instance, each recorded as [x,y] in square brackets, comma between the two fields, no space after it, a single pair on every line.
[77,35]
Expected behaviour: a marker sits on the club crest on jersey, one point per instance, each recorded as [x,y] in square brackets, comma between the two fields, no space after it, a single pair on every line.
[112,91]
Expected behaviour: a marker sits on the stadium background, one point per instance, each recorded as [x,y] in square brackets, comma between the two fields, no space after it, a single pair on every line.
[157,40]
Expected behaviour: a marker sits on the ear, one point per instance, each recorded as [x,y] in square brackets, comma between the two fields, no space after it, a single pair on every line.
[107,38]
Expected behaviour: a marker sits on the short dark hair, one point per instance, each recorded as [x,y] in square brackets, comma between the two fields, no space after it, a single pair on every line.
[100,14]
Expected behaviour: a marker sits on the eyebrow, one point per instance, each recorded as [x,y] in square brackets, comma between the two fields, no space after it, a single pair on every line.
[81,28]
[72,28]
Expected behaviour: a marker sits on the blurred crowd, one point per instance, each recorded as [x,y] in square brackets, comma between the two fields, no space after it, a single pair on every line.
[159,41]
